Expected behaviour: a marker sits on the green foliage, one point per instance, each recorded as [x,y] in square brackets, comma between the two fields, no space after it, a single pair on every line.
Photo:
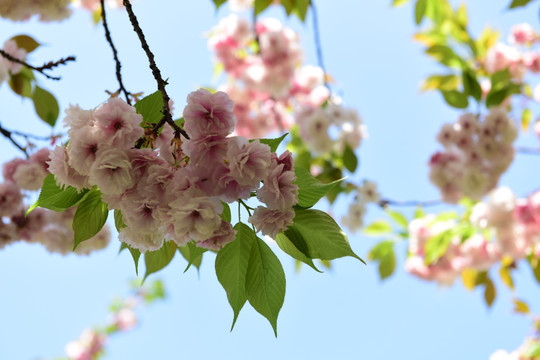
[317,236]
[398,218]
[193,254]
[226,213]
[21,83]
[455,99]
[218,3]
[157,260]
[489,292]
[383,253]
[349,159]
[471,85]
[135,254]
[90,217]
[52,197]
[45,105]
[273,143]
[519,3]
[440,82]
[290,249]
[260,5]
[310,189]
[399,2]
[437,245]
[420,11]
[26,42]
[150,107]
[297,7]
[378,227]
[533,351]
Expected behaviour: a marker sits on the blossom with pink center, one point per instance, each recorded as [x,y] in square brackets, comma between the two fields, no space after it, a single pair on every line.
[270,221]
[207,151]
[249,162]
[279,191]
[522,34]
[500,57]
[125,319]
[83,146]
[142,240]
[112,171]
[10,199]
[64,174]
[41,157]
[87,346]
[221,237]
[208,114]
[119,122]
[30,176]
[478,253]
[77,118]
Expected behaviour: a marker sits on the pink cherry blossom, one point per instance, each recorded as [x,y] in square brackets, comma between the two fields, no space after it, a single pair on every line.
[119,123]
[208,114]
[221,237]
[249,162]
[271,222]
[279,191]
[112,171]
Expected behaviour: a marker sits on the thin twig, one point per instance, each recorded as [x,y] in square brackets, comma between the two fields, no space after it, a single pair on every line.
[167,117]
[386,202]
[317,38]
[526,150]
[115,53]
[8,134]
[41,69]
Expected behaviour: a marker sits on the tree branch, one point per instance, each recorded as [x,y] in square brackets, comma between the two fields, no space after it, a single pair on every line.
[8,134]
[387,202]
[115,53]
[317,38]
[526,150]
[41,69]
[167,117]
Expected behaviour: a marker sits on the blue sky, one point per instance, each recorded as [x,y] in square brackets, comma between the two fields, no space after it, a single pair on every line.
[346,313]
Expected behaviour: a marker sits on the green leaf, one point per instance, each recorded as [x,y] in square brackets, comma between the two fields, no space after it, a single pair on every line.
[398,218]
[151,107]
[445,55]
[310,189]
[383,253]
[535,267]
[519,3]
[301,8]
[193,254]
[273,143]
[437,245]
[21,83]
[440,82]
[52,197]
[119,220]
[135,254]
[46,105]
[461,15]
[265,282]
[420,11]
[399,2]
[500,79]
[496,96]
[261,5]
[226,213]
[288,247]
[90,217]
[489,292]
[157,260]
[455,99]
[471,85]
[218,3]
[26,42]
[349,159]
[232,265]
[526,117]
[317,236]
[533,350]
[378,227]
[521,307]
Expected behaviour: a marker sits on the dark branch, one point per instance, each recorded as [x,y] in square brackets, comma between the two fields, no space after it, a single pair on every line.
[115,53]
[167,117]
[8,134]
[387,202]
[525,150]
[318,44]
[41,69]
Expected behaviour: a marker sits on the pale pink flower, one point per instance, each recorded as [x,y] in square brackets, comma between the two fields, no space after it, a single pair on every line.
[221,237]
[208,151]
[522,34]
[41,157]
[112,171]
[8,234]
[369,191]
[9,168]
[354,219]
[249,162]
[77,118]
[500,57]
[142,240]
[30,176]
[271,222]
[64,174]
[119,123]
[208,114]
[10,199]
[12,49]
[125,319]
[83,146]
[532,61]
[279,191]
[478,253]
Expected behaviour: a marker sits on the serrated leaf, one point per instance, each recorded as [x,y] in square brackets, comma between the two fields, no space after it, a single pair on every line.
[52,197]
[489,292]
[151,107]
[378,227]
[420,11]
[349,159]
[519,3]
[26,42]
[273,143]
[521,307]
[46,105]
[455,99]
[398,218]
[193,254]
[288,247]
[157,260]
[440,82]
[310,189]
[90,217]
[261,5]
[232,265]
[317,236]
[265,282]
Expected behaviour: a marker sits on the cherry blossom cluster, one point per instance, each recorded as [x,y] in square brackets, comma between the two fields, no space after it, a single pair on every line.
[516,226]
[526,351]
[8,67]
[46,10]
[175,189]
[51,229]
[476,153]
[95,5]
[366,193]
